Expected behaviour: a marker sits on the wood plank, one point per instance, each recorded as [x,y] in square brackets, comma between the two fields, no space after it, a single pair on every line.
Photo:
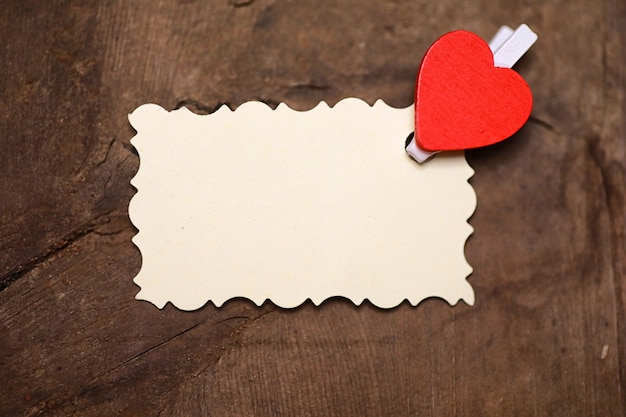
[547,333]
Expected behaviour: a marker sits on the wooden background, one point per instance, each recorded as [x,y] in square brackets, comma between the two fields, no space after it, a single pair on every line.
[546,337]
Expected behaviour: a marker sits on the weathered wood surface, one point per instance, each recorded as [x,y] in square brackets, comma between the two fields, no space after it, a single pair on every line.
[547,335]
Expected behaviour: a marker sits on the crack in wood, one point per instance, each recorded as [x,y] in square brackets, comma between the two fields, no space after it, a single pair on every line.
[20,270]
[240,3]
[543,123]
[106,154]
[309,86]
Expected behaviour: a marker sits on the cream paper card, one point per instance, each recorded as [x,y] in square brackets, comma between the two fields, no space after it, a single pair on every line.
[287,206]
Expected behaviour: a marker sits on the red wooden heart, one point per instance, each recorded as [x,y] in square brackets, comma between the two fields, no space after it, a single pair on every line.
[462,101]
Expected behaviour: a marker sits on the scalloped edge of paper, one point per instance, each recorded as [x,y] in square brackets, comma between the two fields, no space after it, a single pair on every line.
[140,119]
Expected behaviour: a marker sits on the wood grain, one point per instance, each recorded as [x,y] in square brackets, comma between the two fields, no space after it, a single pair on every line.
[547,335]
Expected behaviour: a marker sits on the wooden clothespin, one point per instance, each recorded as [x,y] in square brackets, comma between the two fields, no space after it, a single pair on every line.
[466,94]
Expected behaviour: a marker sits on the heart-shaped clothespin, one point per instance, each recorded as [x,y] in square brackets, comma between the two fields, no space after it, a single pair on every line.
[466,95]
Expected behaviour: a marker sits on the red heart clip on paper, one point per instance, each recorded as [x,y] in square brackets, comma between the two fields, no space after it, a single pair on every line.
[466,95]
